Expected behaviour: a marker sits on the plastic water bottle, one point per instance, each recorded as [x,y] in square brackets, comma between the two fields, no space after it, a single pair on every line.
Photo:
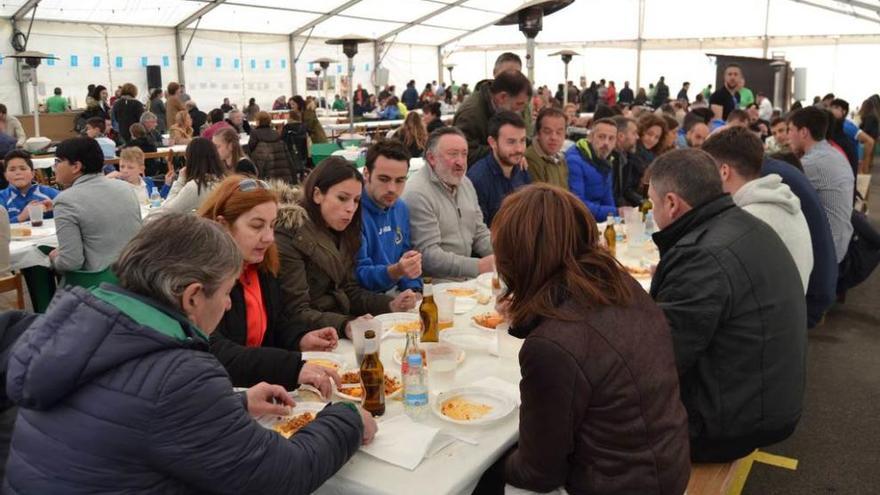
[649,225]
[618,231]
[155,198]
[415,388]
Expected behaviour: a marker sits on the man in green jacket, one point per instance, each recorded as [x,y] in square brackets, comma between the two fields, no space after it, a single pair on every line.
[508,91]
[545,157]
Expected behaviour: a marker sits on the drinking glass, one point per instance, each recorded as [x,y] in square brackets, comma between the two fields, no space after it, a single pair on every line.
[442,362]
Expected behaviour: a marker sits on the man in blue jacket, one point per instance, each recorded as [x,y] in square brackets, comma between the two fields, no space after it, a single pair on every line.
[822,286]
[410,96]
[386,259]
[589,173]
[502,171]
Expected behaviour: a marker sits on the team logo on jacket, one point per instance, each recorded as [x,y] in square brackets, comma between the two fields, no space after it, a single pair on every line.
[398,236]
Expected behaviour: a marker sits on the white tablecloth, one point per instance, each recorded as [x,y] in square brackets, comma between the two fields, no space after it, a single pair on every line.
[24,253]
[455,469]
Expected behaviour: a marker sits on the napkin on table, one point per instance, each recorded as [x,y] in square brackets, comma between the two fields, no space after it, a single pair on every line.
[403,442]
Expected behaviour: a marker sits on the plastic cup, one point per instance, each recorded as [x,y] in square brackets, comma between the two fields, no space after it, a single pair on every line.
[359,327]
[442,362]
[445,309]
[35,212]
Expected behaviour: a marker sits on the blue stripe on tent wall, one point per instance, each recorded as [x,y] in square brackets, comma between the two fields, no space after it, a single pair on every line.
[200,61]
[74,61]
[253,63]
[268,64]
[118,62]
[51,61]
[145,61]
[96,61]
[166,61]
[218,62]
[236,63]
[283,63]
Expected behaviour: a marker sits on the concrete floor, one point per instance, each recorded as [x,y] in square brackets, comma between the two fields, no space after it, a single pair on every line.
[837,442]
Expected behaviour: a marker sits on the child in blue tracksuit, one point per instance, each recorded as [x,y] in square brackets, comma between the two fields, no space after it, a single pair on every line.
[18,169]
[384,238]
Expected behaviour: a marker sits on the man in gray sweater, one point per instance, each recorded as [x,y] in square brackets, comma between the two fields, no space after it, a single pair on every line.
[446,222]
[95,217]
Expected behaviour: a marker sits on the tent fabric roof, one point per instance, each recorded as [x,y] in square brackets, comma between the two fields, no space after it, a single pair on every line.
[469,22]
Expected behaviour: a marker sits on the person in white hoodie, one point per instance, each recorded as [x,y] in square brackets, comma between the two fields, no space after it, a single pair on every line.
[739,154]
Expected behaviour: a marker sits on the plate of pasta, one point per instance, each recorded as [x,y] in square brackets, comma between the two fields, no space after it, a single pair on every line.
[472,406]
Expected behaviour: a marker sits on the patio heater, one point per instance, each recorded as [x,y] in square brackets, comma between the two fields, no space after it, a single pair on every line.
[324,63]
[530,19]
[350,48]
[30,61]
[566,58]
[449,67]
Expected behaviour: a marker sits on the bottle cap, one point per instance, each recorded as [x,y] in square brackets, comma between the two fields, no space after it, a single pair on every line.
[414,360]
[369,334]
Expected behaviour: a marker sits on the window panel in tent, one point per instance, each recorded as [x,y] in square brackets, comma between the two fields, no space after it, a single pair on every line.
[340,26]
[322,6]
[426,35]
[500,6]
[569,25]
[152,13]
[254,20]
[701,19]
[793,19]
[391,10]
[462,18]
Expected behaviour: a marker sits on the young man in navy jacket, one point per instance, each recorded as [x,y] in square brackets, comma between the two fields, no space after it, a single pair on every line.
[386,259]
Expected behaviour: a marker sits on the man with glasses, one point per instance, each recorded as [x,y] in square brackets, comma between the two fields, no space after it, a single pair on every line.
[386,259]
[95,217]
[445,217]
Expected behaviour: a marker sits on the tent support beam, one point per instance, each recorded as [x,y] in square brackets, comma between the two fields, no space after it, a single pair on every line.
[420,20]
[24,9]
[861,5]
[639,42]
[181,73]
[324,17]
[766,29]
[293,58]
[839,11]
[198,14]
[440,66]
[377,60]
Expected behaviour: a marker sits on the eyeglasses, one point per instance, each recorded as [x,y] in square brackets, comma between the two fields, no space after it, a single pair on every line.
[247,185]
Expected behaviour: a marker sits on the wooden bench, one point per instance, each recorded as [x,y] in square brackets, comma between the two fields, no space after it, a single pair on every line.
[14,283]
[713,479]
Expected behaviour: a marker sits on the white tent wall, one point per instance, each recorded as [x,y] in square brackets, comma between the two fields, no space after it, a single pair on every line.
[89,54]
[235,66]
[419,62]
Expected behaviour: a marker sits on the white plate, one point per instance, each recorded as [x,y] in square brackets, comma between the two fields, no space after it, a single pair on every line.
[398,352]
[467,338]
[301,407]
[501,404]
[390,319]
[485,280]
[326,356]
[36,233]
[358,399]
[481,327]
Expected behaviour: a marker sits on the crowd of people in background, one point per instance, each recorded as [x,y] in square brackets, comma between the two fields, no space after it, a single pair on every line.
[258,255]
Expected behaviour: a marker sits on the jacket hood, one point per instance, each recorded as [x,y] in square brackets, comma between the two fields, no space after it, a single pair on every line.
[291,214]
[79,339]
[768,190]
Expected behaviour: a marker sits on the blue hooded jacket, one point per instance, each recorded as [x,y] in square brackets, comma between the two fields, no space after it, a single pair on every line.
[384,238]
[589,181]
[117,394]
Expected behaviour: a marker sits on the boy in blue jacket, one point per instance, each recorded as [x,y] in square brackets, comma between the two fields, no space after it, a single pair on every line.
[386,259]
[23,191]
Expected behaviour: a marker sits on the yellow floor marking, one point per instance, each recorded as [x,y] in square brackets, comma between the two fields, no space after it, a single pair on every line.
[776,460]
[745,467]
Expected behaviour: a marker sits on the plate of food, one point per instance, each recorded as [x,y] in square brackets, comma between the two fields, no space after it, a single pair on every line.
[639,271]
[470,339]
[466,295]
[398,353]
[472,406]
[329,360]
[300,416]
[488,321]
[351,388]
[397,324]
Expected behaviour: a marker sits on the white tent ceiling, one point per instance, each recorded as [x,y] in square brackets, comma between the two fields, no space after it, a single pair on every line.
[469,22]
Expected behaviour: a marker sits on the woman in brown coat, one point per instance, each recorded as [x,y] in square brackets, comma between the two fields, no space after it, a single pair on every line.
[318,234]
[173,105]
[600,411]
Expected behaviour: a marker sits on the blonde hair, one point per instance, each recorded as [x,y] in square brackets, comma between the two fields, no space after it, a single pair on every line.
[132,154]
